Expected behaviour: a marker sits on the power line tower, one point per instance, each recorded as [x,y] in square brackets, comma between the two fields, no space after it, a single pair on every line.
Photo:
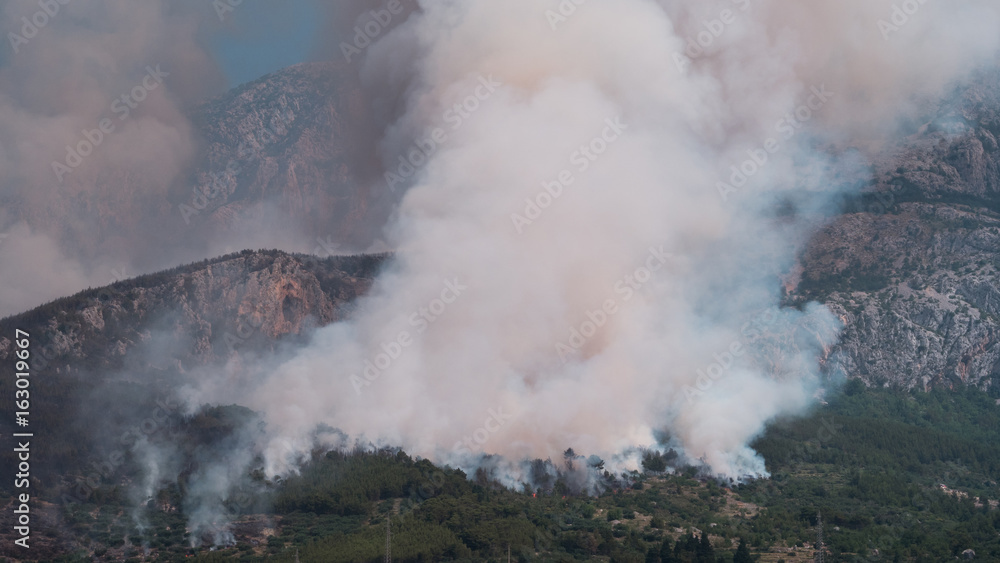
[818,557]
[388,539]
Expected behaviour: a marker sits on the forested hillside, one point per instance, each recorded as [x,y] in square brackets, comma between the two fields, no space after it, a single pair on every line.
[893,476]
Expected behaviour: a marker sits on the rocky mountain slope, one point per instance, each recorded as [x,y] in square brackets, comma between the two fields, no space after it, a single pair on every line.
[107,357]
[281,161]
[297,140]
[913,267]
[207,310]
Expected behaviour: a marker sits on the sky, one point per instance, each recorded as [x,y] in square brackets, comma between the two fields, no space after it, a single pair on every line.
[258,37]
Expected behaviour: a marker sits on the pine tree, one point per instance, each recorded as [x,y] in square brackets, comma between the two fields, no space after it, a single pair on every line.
[706,554]
[691,543]
[742,553]
[667,552]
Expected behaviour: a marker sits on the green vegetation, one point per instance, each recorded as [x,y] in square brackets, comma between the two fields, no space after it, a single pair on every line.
[854,277]
[873,463]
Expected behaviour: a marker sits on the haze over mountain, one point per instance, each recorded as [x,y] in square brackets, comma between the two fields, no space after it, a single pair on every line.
[704,180]
[285,161]
[605,243]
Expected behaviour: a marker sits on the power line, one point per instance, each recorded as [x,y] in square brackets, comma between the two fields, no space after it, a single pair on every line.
[818,557]
[388,540]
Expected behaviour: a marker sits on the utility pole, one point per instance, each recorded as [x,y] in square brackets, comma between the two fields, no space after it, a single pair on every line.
[818,557]
[388,539]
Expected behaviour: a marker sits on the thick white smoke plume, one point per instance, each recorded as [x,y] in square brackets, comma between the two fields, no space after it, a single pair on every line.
[602,198]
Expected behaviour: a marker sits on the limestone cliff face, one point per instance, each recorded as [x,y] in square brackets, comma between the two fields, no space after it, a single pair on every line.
[193,315]
[914,272]
[917,290]
[297,140]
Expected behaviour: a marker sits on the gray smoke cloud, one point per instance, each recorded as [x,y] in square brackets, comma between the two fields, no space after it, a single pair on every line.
[99,148]
[92,136]
[602,200]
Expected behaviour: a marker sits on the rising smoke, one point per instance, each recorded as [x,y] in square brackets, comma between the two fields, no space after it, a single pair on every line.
[601,201]
[77,197]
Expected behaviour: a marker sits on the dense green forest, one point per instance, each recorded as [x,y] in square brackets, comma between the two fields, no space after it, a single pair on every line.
[893,476]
